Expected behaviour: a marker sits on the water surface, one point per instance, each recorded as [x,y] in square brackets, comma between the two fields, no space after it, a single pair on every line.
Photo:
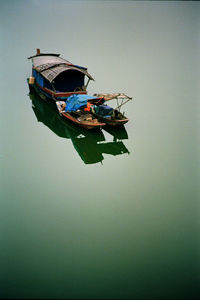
[110,214]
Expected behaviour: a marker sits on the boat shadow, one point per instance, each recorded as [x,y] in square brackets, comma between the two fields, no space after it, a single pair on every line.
[89,144]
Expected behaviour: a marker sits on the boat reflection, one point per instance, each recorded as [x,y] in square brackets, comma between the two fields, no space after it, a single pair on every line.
[90,145]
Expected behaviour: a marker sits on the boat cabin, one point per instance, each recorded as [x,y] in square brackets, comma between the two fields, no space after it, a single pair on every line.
[57,77]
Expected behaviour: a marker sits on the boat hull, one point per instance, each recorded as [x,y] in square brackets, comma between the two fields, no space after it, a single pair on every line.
[87,124]
[113,121]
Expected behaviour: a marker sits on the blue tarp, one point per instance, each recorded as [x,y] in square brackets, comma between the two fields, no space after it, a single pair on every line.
[74,102]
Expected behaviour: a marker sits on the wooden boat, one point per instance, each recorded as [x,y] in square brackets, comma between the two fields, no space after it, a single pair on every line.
[54,78]
[114,117]
[72,109]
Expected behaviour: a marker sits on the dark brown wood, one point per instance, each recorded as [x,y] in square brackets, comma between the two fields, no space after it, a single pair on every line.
[78,119]
[56,95]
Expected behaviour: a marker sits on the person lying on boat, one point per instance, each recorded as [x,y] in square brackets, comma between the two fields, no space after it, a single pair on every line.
[61,105]
[102,110]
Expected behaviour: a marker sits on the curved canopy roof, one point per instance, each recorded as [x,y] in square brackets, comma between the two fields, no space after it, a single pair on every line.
[51,65]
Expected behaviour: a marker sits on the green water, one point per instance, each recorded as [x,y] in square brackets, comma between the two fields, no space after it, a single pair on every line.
[111,214]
